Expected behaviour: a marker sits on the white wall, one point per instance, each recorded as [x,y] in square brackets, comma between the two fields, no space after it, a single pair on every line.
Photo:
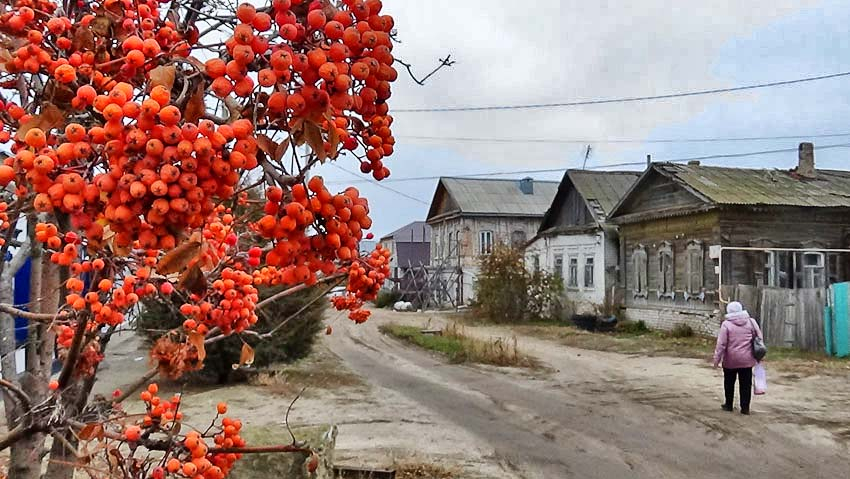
[580,247]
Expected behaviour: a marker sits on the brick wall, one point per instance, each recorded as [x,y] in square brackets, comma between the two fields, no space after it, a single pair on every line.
[666,319]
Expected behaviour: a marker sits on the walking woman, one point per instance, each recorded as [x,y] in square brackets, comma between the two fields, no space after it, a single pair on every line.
[735,352]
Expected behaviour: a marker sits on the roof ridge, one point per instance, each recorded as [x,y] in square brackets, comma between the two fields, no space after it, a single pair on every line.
[468,178]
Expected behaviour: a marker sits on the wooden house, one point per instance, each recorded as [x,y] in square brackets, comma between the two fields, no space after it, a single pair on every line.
[469,217]
[575,241]
[693,237]
[410,247]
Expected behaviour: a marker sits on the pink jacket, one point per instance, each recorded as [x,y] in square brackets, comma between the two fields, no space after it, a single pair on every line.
[734,342]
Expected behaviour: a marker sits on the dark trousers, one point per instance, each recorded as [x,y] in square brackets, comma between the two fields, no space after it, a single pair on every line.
[745,377]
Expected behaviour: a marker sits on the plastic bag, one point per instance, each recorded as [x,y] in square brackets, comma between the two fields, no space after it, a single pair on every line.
[760,375]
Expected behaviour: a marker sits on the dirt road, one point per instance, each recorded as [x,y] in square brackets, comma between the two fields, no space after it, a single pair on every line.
[607,415]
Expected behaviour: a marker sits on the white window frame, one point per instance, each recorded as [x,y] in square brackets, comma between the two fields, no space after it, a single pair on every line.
[572,272]
[591,277]
[814,276]
[485,242]
[558,269]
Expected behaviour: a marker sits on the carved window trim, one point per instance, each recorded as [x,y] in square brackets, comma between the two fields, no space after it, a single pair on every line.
[640,266]
[695,254]
[666,271]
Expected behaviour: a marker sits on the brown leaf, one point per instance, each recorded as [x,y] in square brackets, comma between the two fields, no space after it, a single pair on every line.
[101,26]
[83,39]
[198,64]
[193,280]
[91,431]
[195,107]
[196,339]
[50,117]
[5,57]
[313,135]
[312,463]
[333,139]
[246,357]
[163,75]
[180,257]
[329,330]
[266,144]
[356,124]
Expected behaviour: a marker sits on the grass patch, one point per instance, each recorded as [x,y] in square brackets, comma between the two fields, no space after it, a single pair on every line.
[460,348]
[321,370]
[423,471]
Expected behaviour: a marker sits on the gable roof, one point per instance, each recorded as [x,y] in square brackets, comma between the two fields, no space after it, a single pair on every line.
[416,232]
[720,186]
[490,197]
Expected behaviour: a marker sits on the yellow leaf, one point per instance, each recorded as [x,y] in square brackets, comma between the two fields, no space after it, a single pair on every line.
[163,75]
[196,339]
[246,357]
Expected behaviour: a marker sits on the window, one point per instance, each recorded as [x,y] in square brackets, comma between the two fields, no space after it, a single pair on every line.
[518,239]
[485,242]
[834,268]
[536,263]
[559,266]
[450,247]
[639,269]
[813,270]
[588,271]
[666,270]
[572,281]
[695,267]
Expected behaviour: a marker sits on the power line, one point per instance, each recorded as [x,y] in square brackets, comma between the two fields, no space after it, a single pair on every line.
[622,99]
[361,180]
[600,167]
[466,139]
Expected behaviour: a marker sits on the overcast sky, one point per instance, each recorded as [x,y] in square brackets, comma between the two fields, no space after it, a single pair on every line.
[544,51]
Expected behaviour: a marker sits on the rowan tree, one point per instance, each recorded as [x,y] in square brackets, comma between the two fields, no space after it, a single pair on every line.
[136,130]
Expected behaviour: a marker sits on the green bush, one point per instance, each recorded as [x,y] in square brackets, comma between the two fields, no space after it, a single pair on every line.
[682,330]
[635,328]
[386,299]
[505,291]
[293,341]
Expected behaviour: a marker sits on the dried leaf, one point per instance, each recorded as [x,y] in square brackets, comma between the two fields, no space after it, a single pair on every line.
[193,280]
[50,117]
[91,431]
[195,107]
[196,339]
[83,40]
[5,57]
[333,139]
[312,462]
[329,330]
[313,135]
[282,148]
[197,64]
[356,124]
[163,75]
[101,26]
[246,357]
[180,257]
[266,144]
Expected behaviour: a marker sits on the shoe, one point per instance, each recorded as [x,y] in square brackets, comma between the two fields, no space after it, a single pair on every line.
[745,412]
[726,407]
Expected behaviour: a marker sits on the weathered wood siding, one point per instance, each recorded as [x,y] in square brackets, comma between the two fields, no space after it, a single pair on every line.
[788,317]
[572,212]
[786,227]
[679,231]
[659,193]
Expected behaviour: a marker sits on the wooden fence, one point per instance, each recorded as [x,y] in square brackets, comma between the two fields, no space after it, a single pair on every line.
[788,317]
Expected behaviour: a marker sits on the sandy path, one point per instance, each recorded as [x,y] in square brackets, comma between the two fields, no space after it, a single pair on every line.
[604,415]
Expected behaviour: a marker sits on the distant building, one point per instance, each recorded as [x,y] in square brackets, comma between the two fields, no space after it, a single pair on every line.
[410,245]
[470,216]
[575,241]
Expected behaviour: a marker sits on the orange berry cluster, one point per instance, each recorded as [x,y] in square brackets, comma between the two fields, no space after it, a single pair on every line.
[365,279]
[229,305]
[337,220]
[190,457]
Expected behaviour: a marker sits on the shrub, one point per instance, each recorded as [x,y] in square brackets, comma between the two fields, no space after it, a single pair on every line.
[635,328]
[506,291]
[386,299]
[291,342]
[682,330]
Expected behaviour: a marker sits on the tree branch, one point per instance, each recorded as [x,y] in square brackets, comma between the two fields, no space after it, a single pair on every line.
[444,62]
[295,289]
[23,398]
[258,449]
[19,432]
[41,317]
[73,352]
[131,388]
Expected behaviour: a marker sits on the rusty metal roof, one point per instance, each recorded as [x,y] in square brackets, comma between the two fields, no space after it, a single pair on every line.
[743,186]
[497,197]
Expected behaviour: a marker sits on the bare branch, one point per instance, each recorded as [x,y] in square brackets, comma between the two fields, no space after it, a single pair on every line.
[73,352]
[286,417]
[19,432]
[295,289]
[23,398]
[131,389]
[444,62]
[258,449]
[41,317]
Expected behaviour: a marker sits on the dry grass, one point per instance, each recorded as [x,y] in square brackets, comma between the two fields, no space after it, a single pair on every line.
[321,370]
[460,348]
[423,471]
[657,343]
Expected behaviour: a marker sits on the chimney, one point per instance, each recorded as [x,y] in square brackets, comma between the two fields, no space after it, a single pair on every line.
[694,163]
[526,185]
[806,156]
